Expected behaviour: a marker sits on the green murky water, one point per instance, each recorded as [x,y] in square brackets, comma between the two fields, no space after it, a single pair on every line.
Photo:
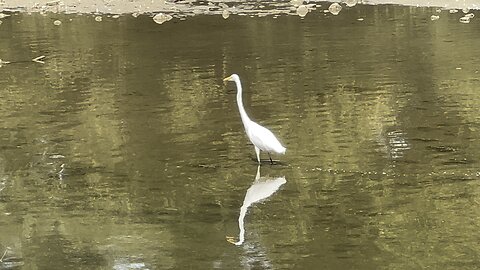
[380,117]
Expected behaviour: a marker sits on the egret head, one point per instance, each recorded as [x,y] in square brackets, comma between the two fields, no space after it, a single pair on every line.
[232,78]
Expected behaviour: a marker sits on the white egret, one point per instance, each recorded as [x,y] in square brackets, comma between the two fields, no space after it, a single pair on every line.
[262,138]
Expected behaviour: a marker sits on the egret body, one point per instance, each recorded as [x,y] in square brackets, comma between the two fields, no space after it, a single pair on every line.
[262,138]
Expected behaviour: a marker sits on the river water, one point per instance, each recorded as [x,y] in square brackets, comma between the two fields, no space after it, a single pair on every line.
[378,108]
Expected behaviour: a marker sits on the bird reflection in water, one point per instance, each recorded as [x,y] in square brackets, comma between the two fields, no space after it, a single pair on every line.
[262,188]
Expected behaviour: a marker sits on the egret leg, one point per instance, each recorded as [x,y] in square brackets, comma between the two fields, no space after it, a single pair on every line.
[257,151]
[271,161]
[258,173]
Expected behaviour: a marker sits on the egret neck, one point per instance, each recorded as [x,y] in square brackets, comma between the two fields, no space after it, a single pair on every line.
[243,113]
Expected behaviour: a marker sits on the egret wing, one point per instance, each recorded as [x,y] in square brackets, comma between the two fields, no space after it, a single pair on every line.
[264,139]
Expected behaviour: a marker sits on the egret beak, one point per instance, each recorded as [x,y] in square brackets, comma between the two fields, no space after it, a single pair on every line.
[225,81]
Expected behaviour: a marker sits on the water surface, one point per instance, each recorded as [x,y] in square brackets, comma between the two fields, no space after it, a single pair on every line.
[380,118]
